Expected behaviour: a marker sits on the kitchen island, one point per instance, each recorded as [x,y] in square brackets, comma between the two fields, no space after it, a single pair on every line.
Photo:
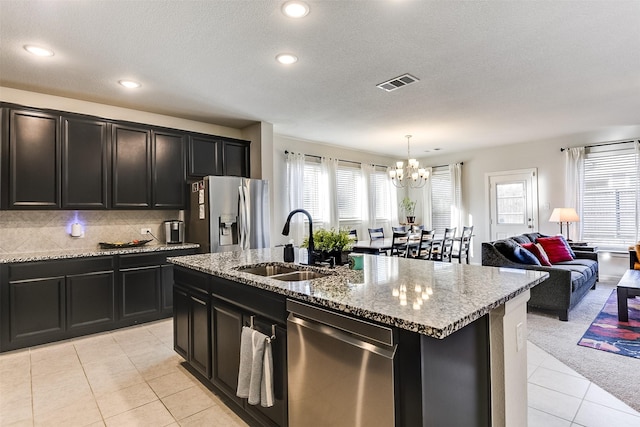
[456,335]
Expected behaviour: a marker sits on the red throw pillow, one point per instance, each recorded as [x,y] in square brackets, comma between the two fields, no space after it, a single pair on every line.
[555,248]
[538,252]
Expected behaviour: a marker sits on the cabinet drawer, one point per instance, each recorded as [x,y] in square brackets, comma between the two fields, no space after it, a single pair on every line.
[255,300]
[34,270]
[150,258]
[192,280]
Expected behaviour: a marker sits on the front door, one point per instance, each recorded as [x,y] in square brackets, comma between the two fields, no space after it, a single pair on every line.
[513,202]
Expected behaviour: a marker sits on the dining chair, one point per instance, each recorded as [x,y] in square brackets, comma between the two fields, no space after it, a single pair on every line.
[399,243]
[400,229]
[465,244]
[442,249]
[376,233]
[423,251]
[353,235]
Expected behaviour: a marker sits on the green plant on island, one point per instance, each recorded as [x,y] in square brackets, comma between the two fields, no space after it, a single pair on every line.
[329,240]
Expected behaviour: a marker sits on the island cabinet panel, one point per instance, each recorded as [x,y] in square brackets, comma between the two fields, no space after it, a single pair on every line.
[169,178]
[191,320]
[231,306]
[33,153]
[85,163]
[131,156]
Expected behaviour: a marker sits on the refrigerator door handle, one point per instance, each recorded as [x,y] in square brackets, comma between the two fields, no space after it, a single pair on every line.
[244,226]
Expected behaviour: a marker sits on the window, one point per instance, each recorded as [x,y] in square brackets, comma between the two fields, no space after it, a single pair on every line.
[440,199]
[511,203]
[609,205]
[312,182]
[349,183]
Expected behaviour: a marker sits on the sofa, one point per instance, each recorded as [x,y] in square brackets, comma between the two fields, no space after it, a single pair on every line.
[568,281]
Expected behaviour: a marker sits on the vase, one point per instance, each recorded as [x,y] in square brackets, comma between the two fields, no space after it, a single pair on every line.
[411,219]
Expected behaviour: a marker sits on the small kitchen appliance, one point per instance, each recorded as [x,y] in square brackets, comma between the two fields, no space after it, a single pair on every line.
[173,231]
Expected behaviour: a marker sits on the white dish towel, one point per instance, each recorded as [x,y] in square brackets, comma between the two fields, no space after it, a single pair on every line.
[255,375]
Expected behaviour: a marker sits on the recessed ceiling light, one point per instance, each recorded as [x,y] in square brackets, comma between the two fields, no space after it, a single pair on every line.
[130,84]
[37,50]
[295,9]
[286,58]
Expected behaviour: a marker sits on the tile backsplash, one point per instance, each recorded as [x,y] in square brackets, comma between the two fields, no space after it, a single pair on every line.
[35,231]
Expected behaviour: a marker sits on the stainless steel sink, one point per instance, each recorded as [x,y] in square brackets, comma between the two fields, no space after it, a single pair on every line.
[268,270]
[298,276]
[286,273]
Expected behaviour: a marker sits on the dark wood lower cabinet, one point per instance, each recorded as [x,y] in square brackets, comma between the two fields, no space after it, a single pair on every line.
[38,308]
[230,306]
[90,299]
[140,291]
[47,301]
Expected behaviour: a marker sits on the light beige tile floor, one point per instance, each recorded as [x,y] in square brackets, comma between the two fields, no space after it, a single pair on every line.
[132,377]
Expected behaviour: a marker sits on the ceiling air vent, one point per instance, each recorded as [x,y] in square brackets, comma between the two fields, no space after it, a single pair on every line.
[397,82]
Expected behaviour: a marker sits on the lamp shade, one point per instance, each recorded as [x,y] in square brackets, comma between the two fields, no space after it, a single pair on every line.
[564,215]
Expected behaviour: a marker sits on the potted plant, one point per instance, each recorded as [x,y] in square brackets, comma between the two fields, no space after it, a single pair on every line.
[408,206]
[331,243]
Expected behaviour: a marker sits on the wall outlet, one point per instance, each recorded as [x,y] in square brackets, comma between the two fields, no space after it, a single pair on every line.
[145,231]
[519,336]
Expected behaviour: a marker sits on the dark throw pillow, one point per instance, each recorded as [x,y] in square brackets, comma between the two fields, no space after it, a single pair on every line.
[514,252]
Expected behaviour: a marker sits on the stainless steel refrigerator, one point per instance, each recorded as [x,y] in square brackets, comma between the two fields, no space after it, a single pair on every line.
[229,213]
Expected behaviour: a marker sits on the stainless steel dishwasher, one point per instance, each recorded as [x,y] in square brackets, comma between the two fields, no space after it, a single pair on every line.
[340,369]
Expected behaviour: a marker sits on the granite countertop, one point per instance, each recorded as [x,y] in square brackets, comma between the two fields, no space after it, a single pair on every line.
[6,258]
[441,298]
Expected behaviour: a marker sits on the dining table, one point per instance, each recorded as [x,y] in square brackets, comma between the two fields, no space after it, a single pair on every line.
[383,245]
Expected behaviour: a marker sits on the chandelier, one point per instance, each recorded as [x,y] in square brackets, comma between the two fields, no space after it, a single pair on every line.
[410,176]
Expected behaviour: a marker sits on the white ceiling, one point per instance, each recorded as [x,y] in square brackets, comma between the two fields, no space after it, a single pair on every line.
[491,72]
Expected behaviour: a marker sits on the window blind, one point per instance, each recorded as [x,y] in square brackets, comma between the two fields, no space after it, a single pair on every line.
[312,181]
[349,183]
[440,199]
[609,214]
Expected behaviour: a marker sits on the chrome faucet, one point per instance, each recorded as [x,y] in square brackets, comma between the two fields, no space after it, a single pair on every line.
[285,231]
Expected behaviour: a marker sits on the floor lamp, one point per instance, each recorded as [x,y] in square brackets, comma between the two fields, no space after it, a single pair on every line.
[567,215]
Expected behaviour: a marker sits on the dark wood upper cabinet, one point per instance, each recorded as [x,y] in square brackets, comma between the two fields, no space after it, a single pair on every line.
[235,158]
[169,180]
[203,156]
[131,156]
[34,160]
[85,163]
[218,156]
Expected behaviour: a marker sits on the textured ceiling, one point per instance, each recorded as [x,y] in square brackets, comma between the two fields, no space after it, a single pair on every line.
[491,72]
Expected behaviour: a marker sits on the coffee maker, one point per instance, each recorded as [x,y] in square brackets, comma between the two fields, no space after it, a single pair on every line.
[173,231]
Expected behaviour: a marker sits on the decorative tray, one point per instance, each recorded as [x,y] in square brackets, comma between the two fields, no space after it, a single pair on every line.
[135,243]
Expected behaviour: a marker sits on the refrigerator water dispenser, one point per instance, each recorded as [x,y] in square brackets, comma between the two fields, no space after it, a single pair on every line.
[228,230]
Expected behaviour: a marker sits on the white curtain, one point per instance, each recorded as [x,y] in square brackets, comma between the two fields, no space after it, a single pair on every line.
[369,202]
[329,194]
[455,175]
[393,199]
[426,202]
[637,145]
[574,184]
[295,188]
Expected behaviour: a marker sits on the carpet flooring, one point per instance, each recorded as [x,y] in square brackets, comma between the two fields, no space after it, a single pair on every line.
[619,375]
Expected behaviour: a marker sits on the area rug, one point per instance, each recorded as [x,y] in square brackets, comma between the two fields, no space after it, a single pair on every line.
[606,333]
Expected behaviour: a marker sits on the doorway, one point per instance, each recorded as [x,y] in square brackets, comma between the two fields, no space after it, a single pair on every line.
[513,202]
